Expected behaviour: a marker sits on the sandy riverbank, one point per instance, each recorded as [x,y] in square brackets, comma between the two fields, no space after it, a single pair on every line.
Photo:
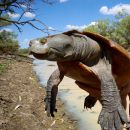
[21,101]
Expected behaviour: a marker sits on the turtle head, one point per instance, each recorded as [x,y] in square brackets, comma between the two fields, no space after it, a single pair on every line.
[55,48]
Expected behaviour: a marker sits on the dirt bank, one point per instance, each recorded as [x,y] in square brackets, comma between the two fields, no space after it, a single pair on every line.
[21,101]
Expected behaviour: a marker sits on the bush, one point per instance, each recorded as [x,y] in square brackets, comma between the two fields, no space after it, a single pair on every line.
[8,48]
[8,43]
[23,51]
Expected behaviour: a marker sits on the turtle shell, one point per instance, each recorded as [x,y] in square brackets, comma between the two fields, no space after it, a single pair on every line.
[120,58]
[86,77]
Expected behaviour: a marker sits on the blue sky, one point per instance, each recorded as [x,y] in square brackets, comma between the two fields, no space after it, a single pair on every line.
[68,14]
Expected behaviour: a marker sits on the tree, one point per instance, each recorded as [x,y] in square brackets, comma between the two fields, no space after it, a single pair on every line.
[8,42]
[13,6]
[4,22]
[124,27]
[103,27]
[118,30]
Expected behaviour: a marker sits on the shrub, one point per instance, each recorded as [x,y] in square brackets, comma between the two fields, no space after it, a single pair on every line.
[8,42]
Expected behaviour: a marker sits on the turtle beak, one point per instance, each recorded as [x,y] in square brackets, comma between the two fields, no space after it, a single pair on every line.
[38,48]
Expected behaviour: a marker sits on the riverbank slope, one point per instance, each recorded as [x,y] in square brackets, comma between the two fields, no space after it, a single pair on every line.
[22,100]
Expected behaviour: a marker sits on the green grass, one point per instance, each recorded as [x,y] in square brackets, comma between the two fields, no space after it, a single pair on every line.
[2,68]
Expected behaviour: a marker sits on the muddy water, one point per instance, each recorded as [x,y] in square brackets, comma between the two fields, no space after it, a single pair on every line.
[71,95]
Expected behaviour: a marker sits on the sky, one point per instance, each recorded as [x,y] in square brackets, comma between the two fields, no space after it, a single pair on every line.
[66,15]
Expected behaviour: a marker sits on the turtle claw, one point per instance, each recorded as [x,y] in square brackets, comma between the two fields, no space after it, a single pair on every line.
[128,127]
[47,106]
[50,107]
[51,102]
[110,121]
[113,120]
[89,102]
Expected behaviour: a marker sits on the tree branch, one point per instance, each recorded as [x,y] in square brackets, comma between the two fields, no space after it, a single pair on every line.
[12,6]
[3,4]
[30,22]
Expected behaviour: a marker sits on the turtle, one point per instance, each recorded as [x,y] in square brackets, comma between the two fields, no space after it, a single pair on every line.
[98,65]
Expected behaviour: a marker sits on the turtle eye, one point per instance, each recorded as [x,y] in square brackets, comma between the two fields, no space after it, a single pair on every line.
[43,40]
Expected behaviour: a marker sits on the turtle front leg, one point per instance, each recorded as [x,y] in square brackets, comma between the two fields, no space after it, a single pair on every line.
[51,91]
[113,115]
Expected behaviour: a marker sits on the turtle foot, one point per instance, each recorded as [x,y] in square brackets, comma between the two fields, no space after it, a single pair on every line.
[50,107]
[113,120]
[89,102]
[110,120]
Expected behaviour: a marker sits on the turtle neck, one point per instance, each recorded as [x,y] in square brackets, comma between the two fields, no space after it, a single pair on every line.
[86,50]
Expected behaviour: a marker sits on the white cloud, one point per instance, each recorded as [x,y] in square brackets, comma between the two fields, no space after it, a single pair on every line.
[71,27]
[92,23]
[29,15]
[51,28]
[116,9]
[13,15]
[6,29]
[26,14]
[24,6]
[63,1]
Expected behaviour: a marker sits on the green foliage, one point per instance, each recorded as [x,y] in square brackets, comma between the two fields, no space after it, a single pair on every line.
[118,31]
[121,33]
[2,68]
[8,42]
[124,27]
[4,23]
[102,27]
[121,14]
